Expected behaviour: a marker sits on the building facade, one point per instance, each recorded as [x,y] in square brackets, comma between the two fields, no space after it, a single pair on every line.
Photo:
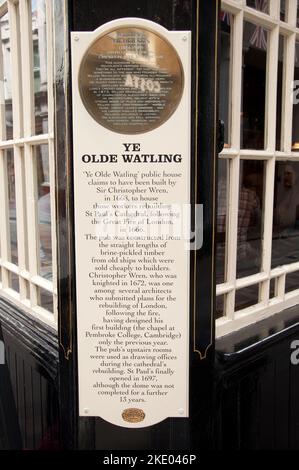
[245,71]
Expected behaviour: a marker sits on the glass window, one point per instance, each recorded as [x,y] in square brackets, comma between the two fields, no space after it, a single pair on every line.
[273,288]
[225,72]
[44,211]
[45,300]
[6,77]
[12,206]
[283,12]
[222,219]
[14,283]
[247,297]
[295,138]
[39,39]
[279,145]
[292,282]
[258,248]
[251,197]
[25,184]
[255,42]
[220,306]
[285,247]
[261,5]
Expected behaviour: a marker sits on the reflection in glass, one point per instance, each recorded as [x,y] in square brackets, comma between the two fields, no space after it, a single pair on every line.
[14,282]
[247,297]
[221,220]
[292,282]
[225,70]
[27,289]
[45,300]
[261,5]
[44,211]
[279,92]
[295,138]
[220,306]
[39,38]
[7,77]
[273,284]
[25,234]
[283,12]
[251,198]
[255,42]
[285,248]
[12,205]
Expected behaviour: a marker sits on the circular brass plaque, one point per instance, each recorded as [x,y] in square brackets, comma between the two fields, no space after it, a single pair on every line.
[131,80]
[133,415]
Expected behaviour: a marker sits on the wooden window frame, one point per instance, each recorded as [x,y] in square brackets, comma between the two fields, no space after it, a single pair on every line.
[23,144]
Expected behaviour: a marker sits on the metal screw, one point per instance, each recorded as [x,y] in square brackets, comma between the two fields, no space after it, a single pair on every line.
[181,411]
[76,38]
[185,38]
[86,411]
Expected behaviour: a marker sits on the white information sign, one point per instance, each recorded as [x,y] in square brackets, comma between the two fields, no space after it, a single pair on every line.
[131,134]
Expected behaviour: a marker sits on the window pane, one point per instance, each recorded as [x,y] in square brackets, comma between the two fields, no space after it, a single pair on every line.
[44,211]
[24,208]
[279,92]
[285,247]
[292,282]
[273,284]
[295,138]
[12,206]
[254,86]
[247,297]
[7,77]
[220,306]
[221,220]
[261,5]
[283,12]
[14,282]
[225,69]
[250,218]
[45,300]
[39,38]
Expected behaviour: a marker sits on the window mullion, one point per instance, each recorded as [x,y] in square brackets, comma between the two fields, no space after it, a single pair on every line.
[232,225]
[232,234]
[292,12]
[274,9]
[271,116]
[29,126]
[50,73]
[17,113]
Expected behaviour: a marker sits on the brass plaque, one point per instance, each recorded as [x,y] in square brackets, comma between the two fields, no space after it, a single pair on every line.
[133,415]
[131,80]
